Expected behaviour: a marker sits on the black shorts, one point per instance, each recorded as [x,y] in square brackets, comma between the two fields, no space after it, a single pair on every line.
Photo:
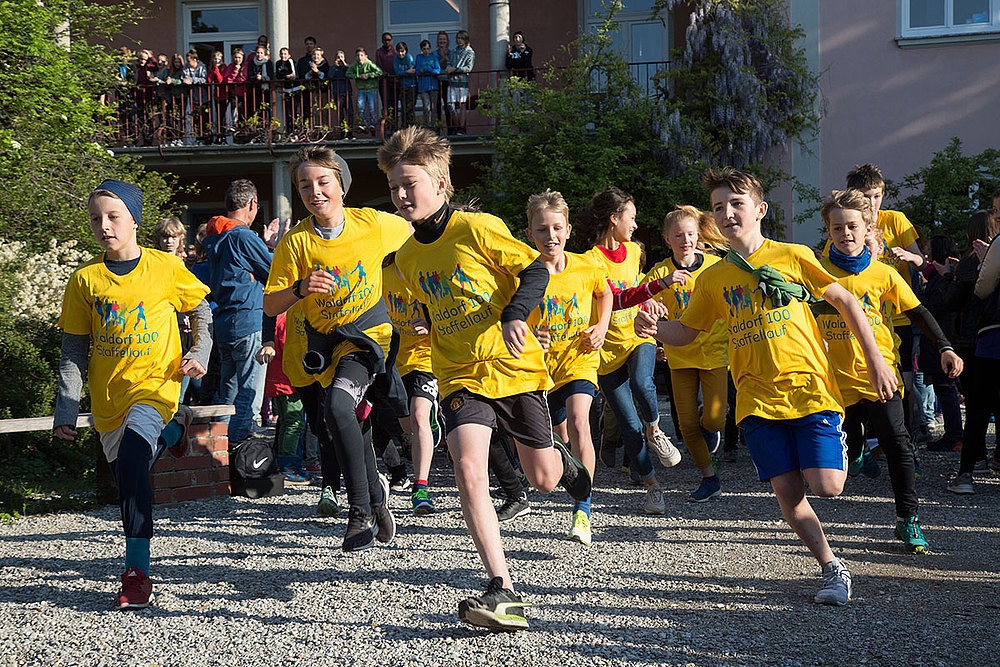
[523,417]
[419,383]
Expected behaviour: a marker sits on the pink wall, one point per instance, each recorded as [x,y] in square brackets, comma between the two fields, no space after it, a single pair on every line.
[897,106]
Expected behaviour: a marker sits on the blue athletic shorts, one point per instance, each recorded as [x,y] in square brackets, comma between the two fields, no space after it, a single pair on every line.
[557,398]
[782,445]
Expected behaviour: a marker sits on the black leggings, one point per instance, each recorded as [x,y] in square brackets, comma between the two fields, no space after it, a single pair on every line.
[887,421]
[982,397]
[353,446]
[313,399]
[135,492]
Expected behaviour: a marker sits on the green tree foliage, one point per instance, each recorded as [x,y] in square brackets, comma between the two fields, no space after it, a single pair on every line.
[735,95]
[579,129]
[55,69]
[949,190]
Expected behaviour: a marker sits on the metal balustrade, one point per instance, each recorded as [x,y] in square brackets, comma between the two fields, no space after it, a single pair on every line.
[298,111]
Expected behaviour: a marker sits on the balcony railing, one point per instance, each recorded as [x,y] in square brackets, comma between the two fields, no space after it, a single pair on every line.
[312,110]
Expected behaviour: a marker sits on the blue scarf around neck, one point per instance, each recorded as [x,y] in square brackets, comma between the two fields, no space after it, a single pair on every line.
[851,263]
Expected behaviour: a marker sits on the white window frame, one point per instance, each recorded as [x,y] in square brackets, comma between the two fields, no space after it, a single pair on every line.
[426,31]
[907,36]
[229,39]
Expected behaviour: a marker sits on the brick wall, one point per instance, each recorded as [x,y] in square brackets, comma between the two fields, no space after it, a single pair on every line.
[203,471]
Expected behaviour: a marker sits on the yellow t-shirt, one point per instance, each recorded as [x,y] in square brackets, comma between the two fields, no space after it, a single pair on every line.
[621,338]
[296,344]
[898,232]
[132,320]
[776,355]
[710,349]
[466,278]
[354,259]
[876,288]
[414,351]
[567,309]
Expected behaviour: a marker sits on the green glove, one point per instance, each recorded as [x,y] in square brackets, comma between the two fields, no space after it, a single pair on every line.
[772,284]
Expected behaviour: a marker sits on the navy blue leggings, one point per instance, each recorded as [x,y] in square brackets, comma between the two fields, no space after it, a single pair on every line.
[135,492]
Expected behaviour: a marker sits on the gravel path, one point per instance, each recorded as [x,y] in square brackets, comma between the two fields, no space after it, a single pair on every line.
[263,582]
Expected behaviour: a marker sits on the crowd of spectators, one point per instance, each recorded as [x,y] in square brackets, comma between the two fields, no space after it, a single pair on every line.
[181,100]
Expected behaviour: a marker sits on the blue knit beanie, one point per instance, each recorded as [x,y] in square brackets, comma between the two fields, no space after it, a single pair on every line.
[128,193]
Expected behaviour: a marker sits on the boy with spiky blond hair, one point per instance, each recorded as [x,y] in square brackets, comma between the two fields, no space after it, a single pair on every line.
[787,400]
[479,285]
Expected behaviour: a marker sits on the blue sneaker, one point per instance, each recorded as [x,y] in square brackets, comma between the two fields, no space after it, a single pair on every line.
[422,503]
[709,488]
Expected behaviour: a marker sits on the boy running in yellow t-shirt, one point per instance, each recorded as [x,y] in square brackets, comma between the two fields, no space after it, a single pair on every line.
[479,285]
[848,219]
[332,263]
[575,331]
[787,400]
[134,373]
[702,367]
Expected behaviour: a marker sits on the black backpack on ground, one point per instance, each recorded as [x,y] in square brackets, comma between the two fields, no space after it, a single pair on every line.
[253,470]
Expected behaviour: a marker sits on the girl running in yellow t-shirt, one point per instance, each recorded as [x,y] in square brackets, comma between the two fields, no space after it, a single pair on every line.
[702,365]
[625,375]
[575,331]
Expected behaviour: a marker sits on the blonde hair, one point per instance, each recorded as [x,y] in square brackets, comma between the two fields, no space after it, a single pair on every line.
[419,147]
[324,157]
[738,181]
[850,200]
[168,228]
[550,200]
[709,236]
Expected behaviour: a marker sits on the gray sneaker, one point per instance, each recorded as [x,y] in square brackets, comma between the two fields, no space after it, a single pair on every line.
[962,485]
[836,589]
[655,504]
[328,505]
[664,449]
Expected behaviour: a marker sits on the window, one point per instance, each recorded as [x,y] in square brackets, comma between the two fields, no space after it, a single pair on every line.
[948,19]
[642,40]
[411,21]
[222,26]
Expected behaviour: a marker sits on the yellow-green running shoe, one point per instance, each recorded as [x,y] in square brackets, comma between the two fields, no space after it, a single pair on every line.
[580,530]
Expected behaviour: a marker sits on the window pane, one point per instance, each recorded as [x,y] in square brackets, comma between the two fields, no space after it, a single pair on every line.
[402,12]
[241,19]
[968,12]
[926,13]
[647,42]
[412,42]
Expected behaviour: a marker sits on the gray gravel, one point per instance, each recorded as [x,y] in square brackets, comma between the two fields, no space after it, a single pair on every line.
[263,582]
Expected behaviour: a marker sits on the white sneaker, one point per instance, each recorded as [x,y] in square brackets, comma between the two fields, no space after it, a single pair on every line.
[664,449]
[836,588]
[655,504]
[962,485]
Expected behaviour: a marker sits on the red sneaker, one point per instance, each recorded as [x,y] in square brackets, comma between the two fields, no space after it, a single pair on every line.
[136,591]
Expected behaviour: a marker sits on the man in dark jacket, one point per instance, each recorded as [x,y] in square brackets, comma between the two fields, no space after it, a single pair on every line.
[239,262]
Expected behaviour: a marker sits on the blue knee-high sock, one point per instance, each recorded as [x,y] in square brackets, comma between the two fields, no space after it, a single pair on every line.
[583,506]
[137,554]
[171,433]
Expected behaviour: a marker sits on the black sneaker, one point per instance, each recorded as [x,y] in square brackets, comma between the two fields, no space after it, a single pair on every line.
[513,508]
[383,515]
[361,529]
[498,609]
[575,478]
[609,454]
[400,481]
